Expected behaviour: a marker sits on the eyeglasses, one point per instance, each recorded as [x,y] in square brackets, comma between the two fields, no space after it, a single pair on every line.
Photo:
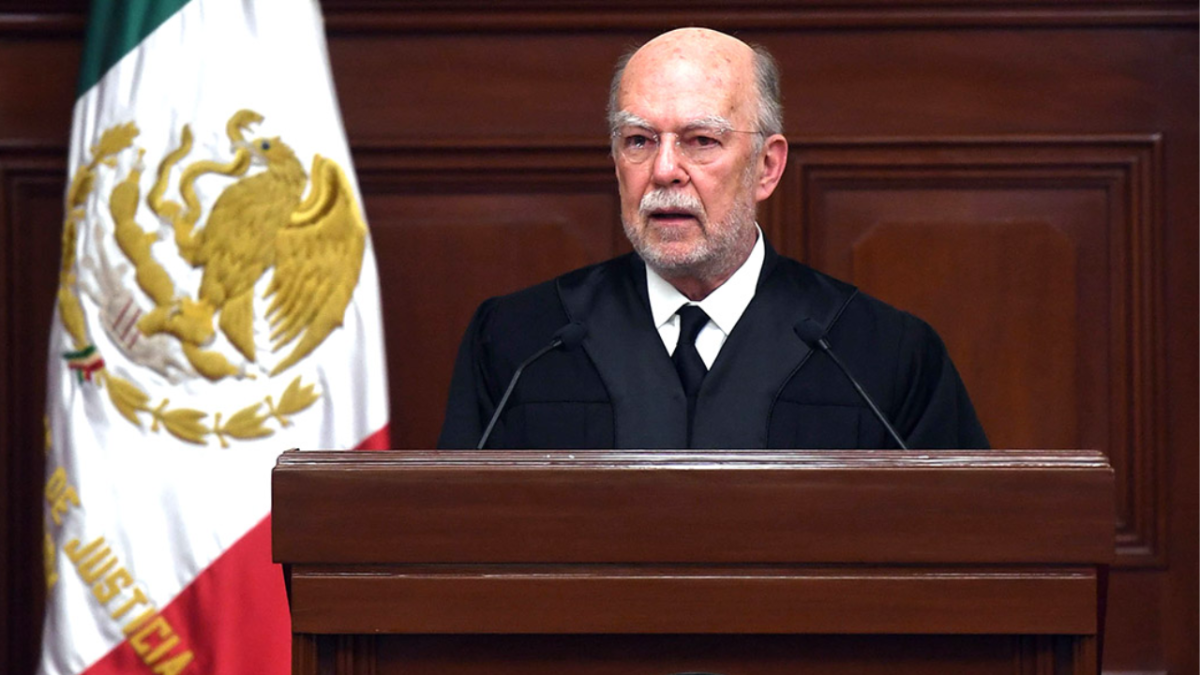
[699,145]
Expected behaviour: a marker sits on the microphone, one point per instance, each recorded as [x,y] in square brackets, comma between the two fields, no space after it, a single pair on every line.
[814,336]
[568,337]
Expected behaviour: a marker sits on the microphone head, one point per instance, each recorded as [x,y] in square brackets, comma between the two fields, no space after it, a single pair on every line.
[570,335]
[810,331]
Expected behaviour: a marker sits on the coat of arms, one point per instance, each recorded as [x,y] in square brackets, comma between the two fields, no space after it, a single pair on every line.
[263,223]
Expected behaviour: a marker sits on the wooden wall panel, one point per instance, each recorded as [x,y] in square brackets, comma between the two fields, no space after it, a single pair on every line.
[37,87]
[461,229]
[1066,130]
[1035,260]
[1018,356]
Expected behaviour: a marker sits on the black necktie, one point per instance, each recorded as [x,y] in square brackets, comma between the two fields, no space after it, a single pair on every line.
[687,360]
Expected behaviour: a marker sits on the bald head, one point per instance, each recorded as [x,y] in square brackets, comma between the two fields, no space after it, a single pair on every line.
[721,62]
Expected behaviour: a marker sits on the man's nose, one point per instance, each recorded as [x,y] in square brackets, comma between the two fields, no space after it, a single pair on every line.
[667,169]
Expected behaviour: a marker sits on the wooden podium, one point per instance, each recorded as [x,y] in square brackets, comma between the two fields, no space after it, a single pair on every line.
[652,563]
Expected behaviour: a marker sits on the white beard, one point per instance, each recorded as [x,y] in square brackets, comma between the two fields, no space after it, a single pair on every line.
[721,249]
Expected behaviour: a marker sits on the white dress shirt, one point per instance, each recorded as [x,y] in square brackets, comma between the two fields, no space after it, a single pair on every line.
[724,306]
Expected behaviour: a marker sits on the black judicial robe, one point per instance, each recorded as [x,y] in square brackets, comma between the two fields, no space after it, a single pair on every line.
[766,389]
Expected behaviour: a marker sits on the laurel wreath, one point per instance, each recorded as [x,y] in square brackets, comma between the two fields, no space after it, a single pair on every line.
[186,424]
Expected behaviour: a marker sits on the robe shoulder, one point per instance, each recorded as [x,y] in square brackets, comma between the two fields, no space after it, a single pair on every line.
[904,365]
[505,331]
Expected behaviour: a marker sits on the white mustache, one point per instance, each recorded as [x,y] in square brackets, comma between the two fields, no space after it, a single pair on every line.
[670,200]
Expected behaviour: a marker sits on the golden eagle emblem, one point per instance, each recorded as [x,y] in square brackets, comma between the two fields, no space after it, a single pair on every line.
[261,222]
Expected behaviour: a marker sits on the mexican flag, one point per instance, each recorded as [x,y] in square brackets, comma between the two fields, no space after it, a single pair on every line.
[218,304]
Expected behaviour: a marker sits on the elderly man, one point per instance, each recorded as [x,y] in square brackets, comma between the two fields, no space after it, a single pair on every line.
[702,338]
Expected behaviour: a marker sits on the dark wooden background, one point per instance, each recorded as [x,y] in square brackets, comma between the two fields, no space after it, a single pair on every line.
[1023,175]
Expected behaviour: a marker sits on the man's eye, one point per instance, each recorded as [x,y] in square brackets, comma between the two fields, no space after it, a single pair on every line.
[638,141]
[702,142]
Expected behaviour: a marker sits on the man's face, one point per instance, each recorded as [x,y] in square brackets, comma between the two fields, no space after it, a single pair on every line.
[688,209]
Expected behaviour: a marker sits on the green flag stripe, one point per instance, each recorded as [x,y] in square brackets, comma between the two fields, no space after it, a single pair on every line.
[114,28]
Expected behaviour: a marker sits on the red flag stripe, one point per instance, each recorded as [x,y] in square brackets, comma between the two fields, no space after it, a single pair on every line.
[380,440]
[233,618]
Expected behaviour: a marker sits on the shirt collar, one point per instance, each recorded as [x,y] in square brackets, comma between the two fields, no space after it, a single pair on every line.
[724,306]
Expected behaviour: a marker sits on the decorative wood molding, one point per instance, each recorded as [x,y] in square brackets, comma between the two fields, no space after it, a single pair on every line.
[1035,655]
[596,598]
[305,657]
[502,160]
[380,17]
[24,169]
[27,17]
[355,654]
[1128,170]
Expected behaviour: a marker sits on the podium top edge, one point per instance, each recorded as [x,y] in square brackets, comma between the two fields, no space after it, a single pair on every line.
[1065,459]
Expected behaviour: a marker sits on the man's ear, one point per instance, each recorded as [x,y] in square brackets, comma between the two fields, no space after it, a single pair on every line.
[770,166]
